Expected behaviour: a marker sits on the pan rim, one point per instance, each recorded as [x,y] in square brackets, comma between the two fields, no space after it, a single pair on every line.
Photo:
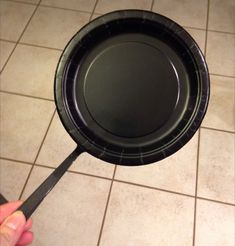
[143,158]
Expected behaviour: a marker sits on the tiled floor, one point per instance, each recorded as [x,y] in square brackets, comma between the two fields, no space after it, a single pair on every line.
[187,199]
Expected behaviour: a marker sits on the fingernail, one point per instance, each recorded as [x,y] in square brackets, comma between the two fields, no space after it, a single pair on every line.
[16,220]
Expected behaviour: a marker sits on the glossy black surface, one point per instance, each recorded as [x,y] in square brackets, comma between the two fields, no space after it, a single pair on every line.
[132,87]
[3,200]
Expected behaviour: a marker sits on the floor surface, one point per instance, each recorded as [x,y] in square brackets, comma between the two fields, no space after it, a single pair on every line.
[186,199]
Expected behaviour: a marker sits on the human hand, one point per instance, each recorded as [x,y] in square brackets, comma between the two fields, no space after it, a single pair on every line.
[14,229]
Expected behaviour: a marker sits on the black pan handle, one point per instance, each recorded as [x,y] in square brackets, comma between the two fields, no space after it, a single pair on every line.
[33,201]
[3,200]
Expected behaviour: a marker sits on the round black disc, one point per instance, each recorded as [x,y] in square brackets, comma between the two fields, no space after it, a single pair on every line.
[122,88]
[132,87]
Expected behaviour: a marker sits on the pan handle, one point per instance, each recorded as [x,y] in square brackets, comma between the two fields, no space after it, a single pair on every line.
[33,201]
[3,200]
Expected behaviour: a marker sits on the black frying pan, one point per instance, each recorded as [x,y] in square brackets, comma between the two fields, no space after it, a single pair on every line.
[131,88]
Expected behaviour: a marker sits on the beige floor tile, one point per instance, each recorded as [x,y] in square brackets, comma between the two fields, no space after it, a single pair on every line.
[199,36]
[54,27]
[5,50]
[222,15]
[216,166]
[23,124]
[14,17]
[220,114]
[221,53]
[28,1]
[85,5]
[105,6]
[58,145]
[188,13]
[72,213]
[140,216]
[30,71]
[175,173]
[215,224]
[12,178]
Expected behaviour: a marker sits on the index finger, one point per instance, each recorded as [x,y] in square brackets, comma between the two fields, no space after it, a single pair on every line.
[7,209]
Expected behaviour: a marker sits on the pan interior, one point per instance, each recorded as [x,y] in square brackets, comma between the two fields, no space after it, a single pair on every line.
[131,89]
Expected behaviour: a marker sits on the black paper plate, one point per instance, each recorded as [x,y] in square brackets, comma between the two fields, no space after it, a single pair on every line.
[132,87]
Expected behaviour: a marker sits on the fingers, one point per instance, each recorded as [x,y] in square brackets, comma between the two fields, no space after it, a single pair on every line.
[7,209]
[12,228]
[28,225]
[26,238]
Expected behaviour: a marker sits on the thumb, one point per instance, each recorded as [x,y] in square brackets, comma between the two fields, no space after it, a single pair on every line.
[12,228]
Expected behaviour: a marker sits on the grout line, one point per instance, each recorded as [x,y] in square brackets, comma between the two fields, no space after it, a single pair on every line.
[214,129]
[207,23]
[36,7]
[211,30]
[154,188]
[28,44]
[40,165]
[216,201]
[151,8]
[40,147]
[195,28]
[21,162]
[90,175]
[196,186]
[9,41]
[226,76]
[93,11]
[26,182]
[106,207]
[23,95]
[40,46]
[68,9]
[75,172]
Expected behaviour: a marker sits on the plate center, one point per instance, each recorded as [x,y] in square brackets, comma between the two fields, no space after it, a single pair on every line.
[131,89]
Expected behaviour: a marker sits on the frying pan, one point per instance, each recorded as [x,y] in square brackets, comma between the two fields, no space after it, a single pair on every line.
[131,88]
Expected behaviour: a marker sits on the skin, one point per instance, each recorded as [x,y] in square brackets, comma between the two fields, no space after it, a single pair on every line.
[14,229]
